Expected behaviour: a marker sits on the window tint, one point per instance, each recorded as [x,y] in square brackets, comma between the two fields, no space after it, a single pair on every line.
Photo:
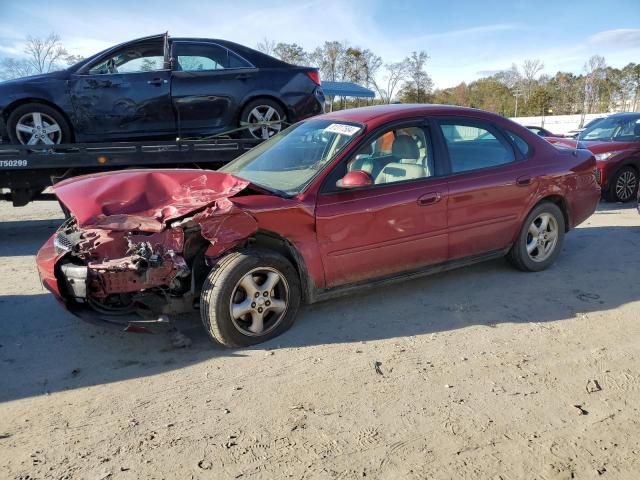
[193,57]
[396,156]
[472,147]
[146,57]
[520,143]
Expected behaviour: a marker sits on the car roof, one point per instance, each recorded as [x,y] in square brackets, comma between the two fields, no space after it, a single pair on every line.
[380,114]
[625,115]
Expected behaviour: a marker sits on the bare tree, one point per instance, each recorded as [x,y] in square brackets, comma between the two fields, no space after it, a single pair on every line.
[595,69]
[14,68]
[266,46]
[45,54]
[530,70]
[327,58]
[396,74]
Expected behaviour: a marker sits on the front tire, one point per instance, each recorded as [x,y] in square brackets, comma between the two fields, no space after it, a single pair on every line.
[250,297]
[623,186]
[37,124]
[540,239]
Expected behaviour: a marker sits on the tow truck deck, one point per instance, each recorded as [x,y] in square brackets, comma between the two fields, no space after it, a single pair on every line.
[27,171]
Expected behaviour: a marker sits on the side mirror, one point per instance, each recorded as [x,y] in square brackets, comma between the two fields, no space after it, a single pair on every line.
[355,179]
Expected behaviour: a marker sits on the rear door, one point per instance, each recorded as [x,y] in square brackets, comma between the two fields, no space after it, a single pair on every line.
[491,182]
[398,223]
[125,94]
[209,82]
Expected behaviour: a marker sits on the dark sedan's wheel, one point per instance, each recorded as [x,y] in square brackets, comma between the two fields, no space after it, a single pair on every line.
[540,239]
[35,123]
[249,297]
[267,116]
[623,186]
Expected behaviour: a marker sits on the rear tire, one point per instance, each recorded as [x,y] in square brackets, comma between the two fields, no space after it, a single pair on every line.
[238,305]
[537,245]
[266,109]
[623,187]
[23,123]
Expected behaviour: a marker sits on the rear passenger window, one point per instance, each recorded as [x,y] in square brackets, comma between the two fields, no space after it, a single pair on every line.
[520,143]
[472,147]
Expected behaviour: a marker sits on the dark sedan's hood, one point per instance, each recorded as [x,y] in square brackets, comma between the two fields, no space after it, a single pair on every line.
[143,199]
[43,77]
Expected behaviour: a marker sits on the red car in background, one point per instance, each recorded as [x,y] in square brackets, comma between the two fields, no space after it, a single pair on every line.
[615,142]
[342,201]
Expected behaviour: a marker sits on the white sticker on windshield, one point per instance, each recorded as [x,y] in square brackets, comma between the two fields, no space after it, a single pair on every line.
[342,129]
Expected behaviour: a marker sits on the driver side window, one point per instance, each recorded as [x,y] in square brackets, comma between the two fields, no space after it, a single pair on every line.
[134,59]
[396,156]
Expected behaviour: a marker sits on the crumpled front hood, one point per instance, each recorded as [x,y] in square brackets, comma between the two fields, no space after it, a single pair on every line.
[143,199]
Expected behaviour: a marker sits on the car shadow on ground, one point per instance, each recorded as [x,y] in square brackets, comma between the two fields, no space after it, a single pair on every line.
[19,238]
[45,349]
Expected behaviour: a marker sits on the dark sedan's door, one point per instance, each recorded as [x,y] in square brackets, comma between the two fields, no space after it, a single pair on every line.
[209,82]
[126,94]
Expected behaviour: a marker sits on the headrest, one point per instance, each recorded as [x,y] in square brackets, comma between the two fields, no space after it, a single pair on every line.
[405,146]
[366,150]
[636,129]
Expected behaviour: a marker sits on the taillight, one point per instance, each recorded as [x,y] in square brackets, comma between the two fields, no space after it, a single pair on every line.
[314,75]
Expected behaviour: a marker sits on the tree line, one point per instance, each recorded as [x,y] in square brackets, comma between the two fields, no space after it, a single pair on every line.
[518,91]
[521,90]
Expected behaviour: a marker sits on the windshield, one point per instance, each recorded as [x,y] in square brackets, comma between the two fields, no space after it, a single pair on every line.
[620,129]
[291,159]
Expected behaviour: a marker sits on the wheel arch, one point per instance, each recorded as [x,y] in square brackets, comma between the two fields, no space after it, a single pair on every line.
[561,203]
[271,96]
[9,109]
[276,242]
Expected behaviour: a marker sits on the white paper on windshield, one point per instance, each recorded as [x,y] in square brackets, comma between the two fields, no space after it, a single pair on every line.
[342,129]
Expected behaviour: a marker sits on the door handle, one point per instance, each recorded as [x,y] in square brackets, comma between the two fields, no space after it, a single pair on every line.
[429,198]
[243,76]
[523,181]
[156,81]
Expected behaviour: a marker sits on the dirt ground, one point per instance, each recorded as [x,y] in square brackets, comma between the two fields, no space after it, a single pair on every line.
[484,372]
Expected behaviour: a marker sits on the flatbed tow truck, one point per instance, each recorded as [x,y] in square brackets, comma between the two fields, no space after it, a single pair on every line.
[27,171]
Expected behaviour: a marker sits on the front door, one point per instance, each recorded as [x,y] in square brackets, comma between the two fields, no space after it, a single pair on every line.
[398,223]
[126,94]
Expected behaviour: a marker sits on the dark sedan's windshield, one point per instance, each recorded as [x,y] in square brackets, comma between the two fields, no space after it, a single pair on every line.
[288,161]
[620,129]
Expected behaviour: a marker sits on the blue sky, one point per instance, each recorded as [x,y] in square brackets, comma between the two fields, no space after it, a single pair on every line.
[465,39]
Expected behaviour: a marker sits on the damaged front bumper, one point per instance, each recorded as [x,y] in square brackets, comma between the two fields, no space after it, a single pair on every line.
[135,270]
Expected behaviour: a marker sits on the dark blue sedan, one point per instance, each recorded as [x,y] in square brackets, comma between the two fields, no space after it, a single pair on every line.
[160,87]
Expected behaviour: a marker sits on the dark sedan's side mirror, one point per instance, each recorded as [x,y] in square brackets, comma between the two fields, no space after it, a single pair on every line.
[355,179]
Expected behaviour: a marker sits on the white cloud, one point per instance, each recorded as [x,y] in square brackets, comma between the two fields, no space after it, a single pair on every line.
[621,37]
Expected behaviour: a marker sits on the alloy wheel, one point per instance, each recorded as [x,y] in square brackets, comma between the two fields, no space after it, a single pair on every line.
[542,237]
[259,301]
[626,185]
[35,128]
[268,122]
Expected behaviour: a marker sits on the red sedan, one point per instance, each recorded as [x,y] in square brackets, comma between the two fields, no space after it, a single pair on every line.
[338,202]
[615,142]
